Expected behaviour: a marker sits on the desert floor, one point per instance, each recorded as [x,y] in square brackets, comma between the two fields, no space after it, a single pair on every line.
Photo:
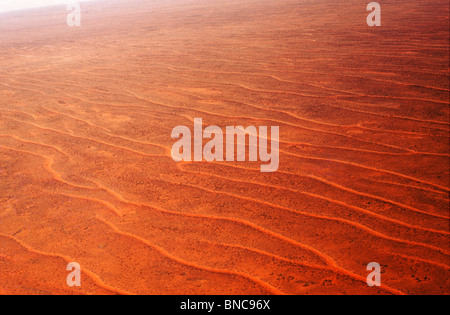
[86,115]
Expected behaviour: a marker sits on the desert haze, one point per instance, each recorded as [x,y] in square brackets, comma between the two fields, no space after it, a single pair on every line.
[87,176]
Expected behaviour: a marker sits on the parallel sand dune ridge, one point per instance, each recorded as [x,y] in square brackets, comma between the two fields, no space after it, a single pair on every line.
[86,172]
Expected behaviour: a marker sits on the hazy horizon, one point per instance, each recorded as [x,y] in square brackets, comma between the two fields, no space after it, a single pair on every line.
[17,5]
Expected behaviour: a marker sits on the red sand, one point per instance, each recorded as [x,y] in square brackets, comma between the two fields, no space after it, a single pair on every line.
[86,173]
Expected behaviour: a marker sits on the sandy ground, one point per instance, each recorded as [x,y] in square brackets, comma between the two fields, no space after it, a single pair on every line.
[86,173]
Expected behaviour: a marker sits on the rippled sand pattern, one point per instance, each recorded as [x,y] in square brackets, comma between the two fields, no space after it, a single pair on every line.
[86,172]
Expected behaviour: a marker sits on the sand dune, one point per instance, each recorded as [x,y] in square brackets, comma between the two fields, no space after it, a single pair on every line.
[86,115]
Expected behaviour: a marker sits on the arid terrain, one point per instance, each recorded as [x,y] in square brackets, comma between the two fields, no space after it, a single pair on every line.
[86,173]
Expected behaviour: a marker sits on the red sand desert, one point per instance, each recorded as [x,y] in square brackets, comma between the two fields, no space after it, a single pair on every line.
[86,115]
